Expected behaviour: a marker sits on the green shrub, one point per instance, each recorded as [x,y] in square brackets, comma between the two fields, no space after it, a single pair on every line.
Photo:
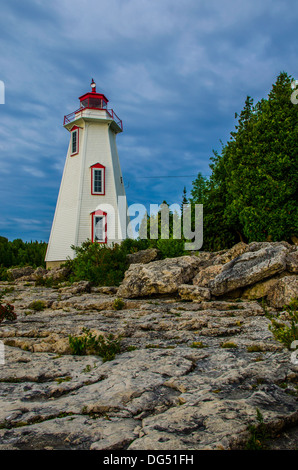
[99,264]
[171,248]
[118,304]
[258,434]
[37,305]
[4,275]
[287,332]
[106,348]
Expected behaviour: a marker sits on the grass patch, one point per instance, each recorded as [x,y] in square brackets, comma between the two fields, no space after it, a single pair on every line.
[198,345]
[37,305]
[63,379]
[229,345]
[254,348]
[131,348]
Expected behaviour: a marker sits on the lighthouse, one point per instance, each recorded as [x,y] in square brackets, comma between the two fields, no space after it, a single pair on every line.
[91,203]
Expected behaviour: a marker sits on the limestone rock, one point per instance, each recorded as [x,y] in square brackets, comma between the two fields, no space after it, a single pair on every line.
[206,275]
[143,256]
[189,292]
[292,262]
[283,291]
[176,383]
[249,268]
[39,272]
[76,288]
[232,253]
[158,277]
[58,273]
[263,288]
[256,246]
[259,290]
[108,290]
[206,258]
[17,273]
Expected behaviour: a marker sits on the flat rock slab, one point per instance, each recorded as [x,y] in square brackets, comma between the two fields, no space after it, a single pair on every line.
[190,374]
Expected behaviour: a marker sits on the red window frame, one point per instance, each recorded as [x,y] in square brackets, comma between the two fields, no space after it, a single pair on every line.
[74,129]
[103,168]
[93,215]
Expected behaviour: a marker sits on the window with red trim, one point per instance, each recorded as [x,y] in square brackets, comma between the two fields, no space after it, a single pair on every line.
[98,178]
[99,226]
[74,142]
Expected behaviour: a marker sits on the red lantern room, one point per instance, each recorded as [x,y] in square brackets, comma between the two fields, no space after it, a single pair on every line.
[93,100]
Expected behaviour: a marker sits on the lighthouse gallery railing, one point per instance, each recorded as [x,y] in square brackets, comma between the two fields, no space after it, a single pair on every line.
[71,116]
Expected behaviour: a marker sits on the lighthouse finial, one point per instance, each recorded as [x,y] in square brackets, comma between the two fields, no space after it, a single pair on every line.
[93,85]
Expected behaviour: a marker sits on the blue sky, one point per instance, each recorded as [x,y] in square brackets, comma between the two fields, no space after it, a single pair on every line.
[175,72]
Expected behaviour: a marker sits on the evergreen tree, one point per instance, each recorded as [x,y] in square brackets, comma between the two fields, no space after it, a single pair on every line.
[251,194]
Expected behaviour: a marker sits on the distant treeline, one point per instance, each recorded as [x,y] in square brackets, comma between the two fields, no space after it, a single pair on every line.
[19,253]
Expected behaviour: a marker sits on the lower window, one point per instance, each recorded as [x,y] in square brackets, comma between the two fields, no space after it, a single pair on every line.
[99,227]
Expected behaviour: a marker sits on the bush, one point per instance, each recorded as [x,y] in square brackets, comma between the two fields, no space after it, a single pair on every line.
[37,305]
[118,304]
[258,434]
[287,332]
[4,275]
[107,348]
[171,248]
[99,264]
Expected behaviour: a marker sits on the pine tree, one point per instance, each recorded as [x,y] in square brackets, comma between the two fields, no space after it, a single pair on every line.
[251,194]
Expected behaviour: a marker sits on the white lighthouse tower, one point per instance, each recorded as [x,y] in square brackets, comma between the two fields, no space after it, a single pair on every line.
[91,202]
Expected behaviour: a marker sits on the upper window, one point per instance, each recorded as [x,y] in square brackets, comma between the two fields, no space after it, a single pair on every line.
[74,141]
[98,179]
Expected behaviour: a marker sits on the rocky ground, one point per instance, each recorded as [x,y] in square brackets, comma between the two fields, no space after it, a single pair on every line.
[195,366]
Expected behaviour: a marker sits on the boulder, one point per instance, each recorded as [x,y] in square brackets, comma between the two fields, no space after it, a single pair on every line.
[76,288]
[292,262]
[58,273]
[196,293]
[256,246]
[158,277]
[259,290]
[108,290]
[206,258]
[143,256]
[18,273]
[283,291]
[206,275]
[263,288]
[249,268]
[39,272]
[231,254]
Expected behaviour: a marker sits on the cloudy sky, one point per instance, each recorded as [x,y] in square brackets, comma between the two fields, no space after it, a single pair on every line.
[175,72]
